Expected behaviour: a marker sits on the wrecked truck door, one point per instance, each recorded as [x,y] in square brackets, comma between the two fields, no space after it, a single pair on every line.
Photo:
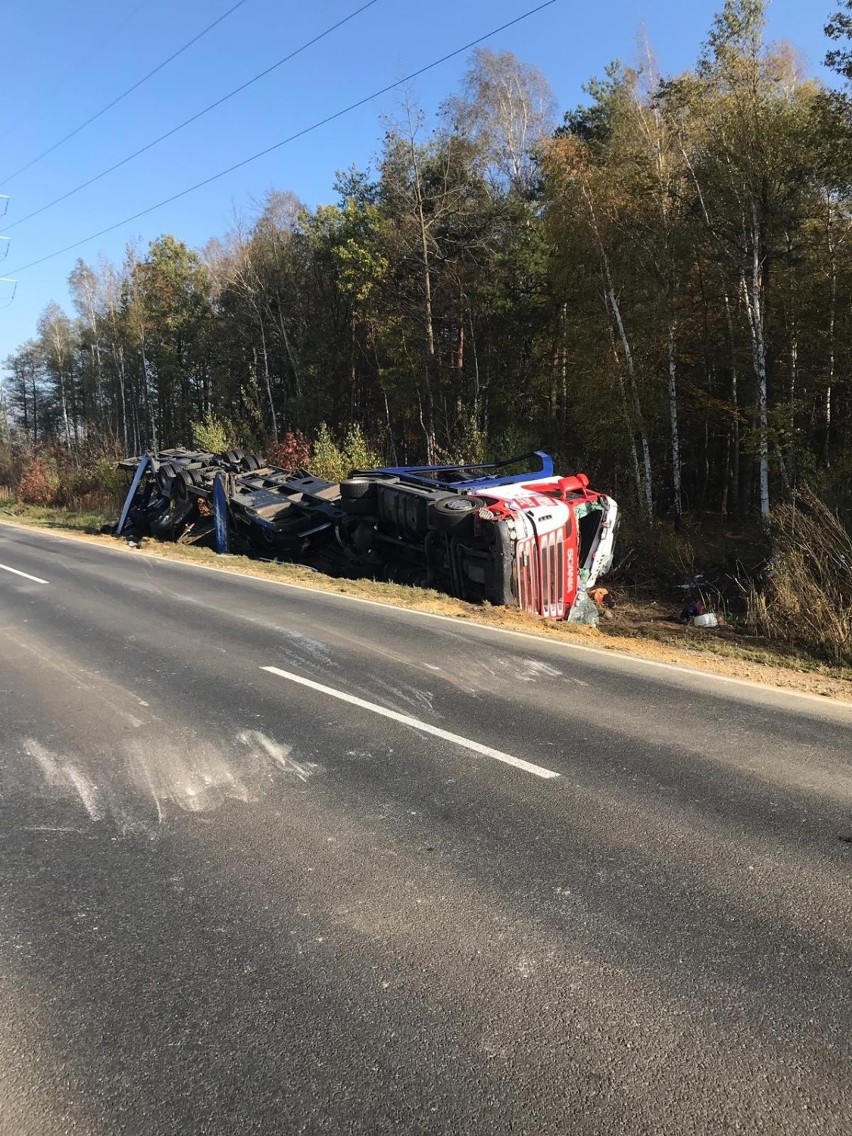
[597,522]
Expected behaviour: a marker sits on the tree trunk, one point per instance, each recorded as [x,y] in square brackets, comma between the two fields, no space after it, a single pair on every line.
[792,393]
[268,381]
[832,344]
[118,359]
[646,496]
[476,384]
[391,442]
[634,453]
[64,403]
[753,296]
[735,424]
[150,411]
[673,423]
[563,327]
[294,363]
[428,319]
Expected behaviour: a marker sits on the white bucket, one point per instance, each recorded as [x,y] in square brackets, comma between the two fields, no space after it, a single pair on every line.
[707,620]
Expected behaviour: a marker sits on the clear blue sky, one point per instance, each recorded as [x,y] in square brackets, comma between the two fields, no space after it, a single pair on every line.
[62,62]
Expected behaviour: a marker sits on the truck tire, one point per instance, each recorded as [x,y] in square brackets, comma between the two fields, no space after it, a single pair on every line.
[249,463]
[165,477]
[180,485]
[357,488]
[450,512]
[168,525]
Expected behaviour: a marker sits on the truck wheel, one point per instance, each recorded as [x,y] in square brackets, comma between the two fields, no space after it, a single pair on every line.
[165,476]
[249,462]
[449,512]
[357,488]
[180,485]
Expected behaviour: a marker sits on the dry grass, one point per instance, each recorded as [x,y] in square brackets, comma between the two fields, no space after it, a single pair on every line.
[807,598]
[88,519]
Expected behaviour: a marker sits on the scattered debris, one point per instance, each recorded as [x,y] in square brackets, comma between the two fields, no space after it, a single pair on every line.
[696,614]
[708,619]
[692,610]
[584,611]
[602,597]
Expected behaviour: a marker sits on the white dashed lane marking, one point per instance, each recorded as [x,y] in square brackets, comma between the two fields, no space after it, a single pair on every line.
[417,724]
[26,575]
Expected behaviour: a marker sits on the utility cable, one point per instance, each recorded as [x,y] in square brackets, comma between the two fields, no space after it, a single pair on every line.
[129,91]
[193,118]
[293,137]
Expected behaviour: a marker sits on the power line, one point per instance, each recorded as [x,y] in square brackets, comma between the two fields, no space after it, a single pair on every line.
[293,137]
[129,91]
[193,118]
[8,302]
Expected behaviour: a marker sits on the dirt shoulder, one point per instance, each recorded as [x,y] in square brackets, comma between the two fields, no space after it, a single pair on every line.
[642,625]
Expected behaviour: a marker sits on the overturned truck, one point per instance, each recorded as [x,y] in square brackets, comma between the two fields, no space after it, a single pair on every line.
[497,533]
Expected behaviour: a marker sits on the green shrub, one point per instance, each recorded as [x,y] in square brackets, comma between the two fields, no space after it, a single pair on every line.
[356,452]
[326,456]
[95,485]
[213,434]
[334,460]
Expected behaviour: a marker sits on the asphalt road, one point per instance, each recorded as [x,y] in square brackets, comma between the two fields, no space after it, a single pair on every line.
[420,877]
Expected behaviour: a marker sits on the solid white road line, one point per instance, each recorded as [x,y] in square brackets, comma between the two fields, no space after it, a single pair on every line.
[415,723]
[26,575]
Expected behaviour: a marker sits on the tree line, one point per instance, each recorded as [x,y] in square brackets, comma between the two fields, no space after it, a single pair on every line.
[656,286]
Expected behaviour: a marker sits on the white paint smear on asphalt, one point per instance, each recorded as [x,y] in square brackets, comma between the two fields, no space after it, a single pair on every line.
[26,575]
[415,723]
[280,754]
[88,791]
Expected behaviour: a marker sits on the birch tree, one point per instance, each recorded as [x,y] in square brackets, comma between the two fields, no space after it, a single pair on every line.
[507,108]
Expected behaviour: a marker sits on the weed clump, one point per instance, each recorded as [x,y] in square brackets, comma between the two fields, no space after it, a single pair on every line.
[39,482]
[804,597]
